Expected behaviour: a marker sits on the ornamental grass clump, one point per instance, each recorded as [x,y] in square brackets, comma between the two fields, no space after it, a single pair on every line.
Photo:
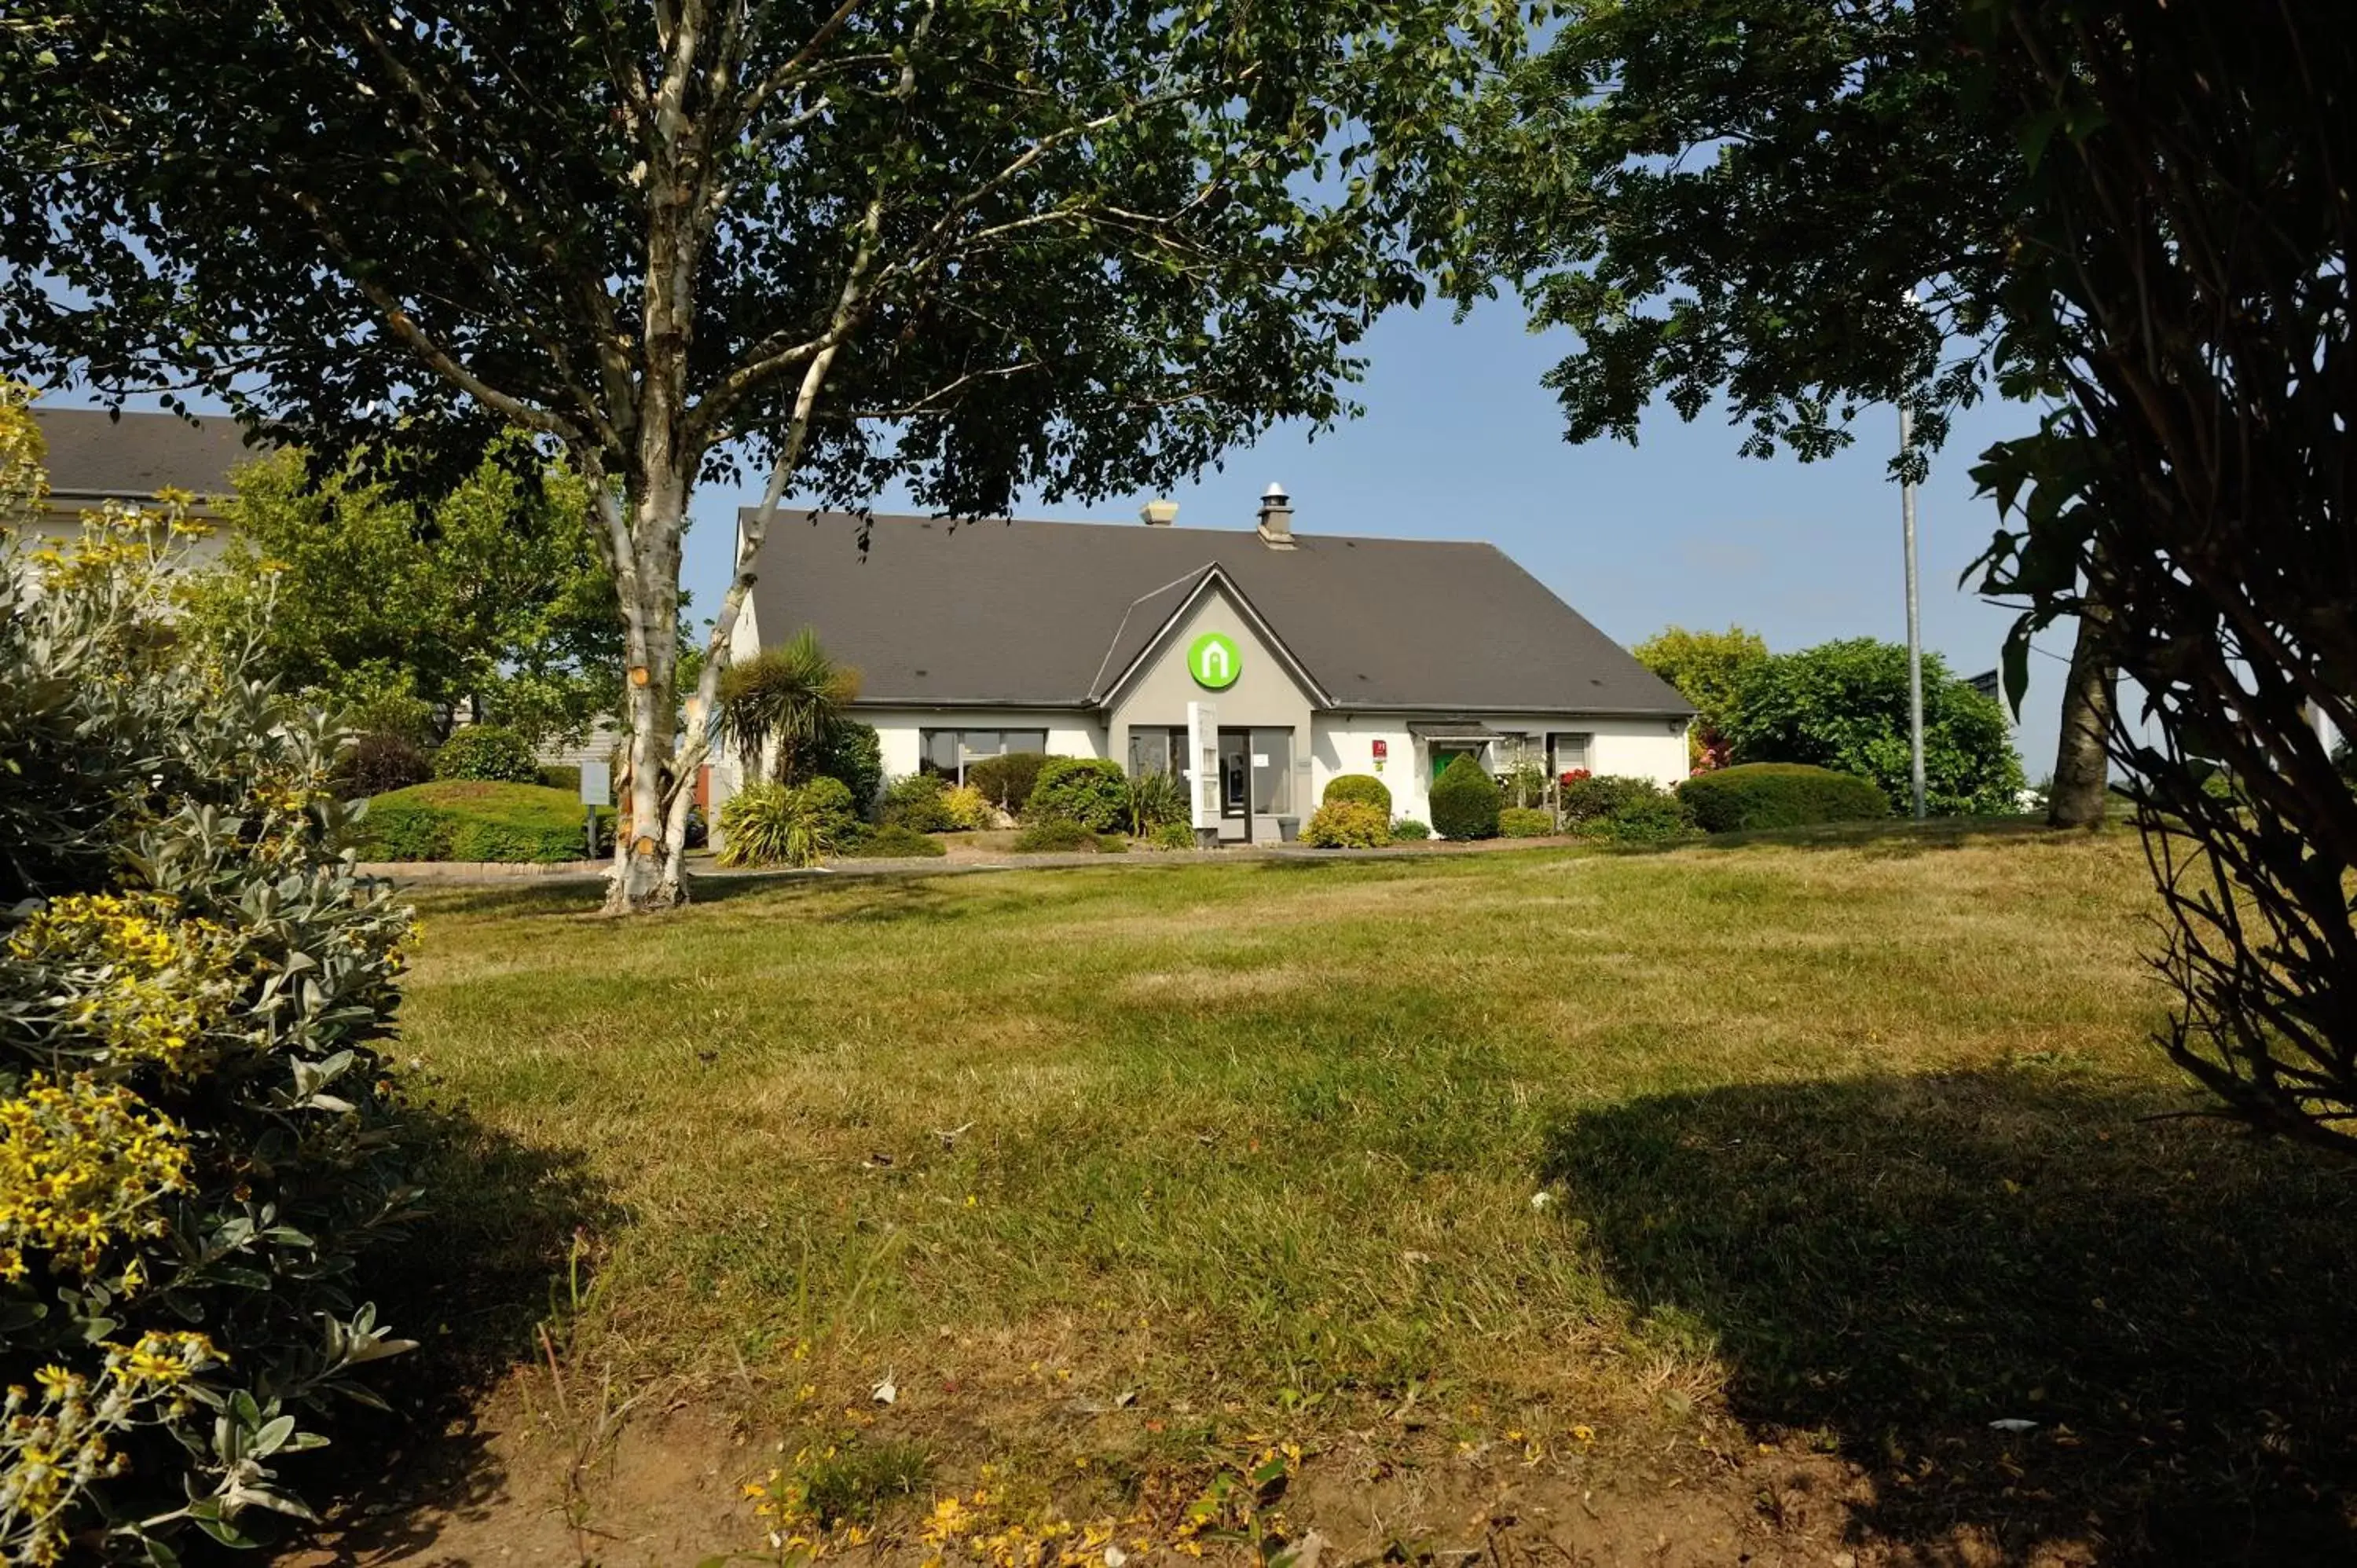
[198,1131]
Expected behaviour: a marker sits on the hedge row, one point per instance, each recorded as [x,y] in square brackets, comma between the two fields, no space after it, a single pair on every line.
[1779,795]
[469,820]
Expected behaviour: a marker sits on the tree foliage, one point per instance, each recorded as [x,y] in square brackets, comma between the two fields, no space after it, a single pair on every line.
[979,247]
[1844,705]
[2184,291]
[1733,199]
[489,590]
[781,708]
[1707,669]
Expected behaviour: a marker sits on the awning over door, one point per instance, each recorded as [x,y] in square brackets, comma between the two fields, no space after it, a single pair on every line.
[1455,732]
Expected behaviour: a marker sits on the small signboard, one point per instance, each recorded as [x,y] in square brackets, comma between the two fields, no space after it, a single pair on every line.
[597,783]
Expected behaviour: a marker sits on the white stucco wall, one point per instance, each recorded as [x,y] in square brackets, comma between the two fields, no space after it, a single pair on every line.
[1638,748]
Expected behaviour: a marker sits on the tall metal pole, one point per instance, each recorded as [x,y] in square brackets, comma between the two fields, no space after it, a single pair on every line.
[1914,619]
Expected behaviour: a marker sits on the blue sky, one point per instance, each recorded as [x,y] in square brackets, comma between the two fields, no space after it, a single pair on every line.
[1460,441]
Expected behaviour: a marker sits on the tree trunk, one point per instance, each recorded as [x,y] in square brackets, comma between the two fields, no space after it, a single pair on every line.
[2083,765]
[646,873]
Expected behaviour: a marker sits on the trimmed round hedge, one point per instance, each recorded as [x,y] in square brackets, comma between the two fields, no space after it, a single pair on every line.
[1090,790]
[1465,801]
[469,820]
[1524,823]
[1779,795]
[1347,824]
[492,753]
[1364,787]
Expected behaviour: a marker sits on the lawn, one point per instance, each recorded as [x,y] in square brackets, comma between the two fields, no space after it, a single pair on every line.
[1621,1170]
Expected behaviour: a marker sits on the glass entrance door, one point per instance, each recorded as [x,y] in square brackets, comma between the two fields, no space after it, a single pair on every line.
[1235,783]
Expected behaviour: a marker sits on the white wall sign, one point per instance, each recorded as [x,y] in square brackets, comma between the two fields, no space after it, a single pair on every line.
[1204,753]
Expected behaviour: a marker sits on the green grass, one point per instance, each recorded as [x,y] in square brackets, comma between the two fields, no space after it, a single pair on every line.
[1845,1143]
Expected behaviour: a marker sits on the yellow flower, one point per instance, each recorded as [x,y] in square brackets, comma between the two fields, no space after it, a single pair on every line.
[81,1165]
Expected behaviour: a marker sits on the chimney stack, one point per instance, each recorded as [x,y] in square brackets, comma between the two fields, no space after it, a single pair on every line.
[1159,513]
[1276,518]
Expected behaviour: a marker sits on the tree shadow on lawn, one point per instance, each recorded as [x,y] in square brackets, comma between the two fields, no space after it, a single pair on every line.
[1887,1266]
[511,1234]
[1890,838]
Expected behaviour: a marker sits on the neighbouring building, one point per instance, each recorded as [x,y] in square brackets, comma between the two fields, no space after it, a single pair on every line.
[95,458]
[1295,657]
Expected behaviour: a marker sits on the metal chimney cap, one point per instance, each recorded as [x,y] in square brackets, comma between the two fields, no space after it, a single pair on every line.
[1274,492]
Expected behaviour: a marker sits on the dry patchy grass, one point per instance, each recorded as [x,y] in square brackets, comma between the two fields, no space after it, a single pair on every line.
[1840,1144]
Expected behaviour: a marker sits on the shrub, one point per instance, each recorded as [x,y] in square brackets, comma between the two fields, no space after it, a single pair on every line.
[1172,835]
[1589,798]
[852,754]
[1347,824]
[199,1135]
[379,761]
[1465,801]
[1657,818]
[1779,795]
[1524,823]
[466,819]
[1090,791]
[1364,788]
[968,810]
[1157,800]
[492,753]
[891,842]
[1008,780]
[1409,828]
[915,804]
[1052,835]
[785,824]
[1843,705]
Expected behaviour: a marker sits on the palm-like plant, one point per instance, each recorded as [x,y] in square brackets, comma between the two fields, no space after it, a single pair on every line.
[782,703]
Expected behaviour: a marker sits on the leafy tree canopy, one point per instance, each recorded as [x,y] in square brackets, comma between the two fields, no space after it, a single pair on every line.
[1707,668]
[976,246]
[1844,705]
[490,591]
[1735,199]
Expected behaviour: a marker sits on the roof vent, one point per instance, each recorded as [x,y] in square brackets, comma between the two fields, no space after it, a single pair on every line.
[1276,518]
[1159,513]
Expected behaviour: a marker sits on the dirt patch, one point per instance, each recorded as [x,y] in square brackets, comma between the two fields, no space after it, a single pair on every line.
[645,1484]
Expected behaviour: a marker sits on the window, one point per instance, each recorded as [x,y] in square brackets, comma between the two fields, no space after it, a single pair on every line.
[1157,750]
[1566,753]
[946,752]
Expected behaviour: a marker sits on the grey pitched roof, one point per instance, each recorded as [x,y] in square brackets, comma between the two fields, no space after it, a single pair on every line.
[1050,614]
[95,458]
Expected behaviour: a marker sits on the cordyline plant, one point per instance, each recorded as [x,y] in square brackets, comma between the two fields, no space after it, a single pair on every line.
[2184,291]
[972,245]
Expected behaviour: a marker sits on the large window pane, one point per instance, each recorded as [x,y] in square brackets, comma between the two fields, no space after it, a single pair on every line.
[1026,740]
[937,752]
[1271,768]
[1149,752]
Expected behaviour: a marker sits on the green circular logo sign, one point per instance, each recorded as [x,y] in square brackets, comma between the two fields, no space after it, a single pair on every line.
[1214,662]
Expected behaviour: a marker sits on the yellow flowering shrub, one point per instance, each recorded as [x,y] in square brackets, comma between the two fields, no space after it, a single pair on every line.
[81,1164]
[147,982]
[197,1121]
[55,1438]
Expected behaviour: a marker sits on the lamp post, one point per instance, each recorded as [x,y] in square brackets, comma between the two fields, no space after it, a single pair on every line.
[1914,612]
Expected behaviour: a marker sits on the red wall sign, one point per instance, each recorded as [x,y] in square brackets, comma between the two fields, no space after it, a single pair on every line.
[1383,748]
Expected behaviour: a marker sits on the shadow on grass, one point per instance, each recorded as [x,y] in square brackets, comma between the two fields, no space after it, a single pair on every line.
[1887,1266]
[510,1235]
[1892,837]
